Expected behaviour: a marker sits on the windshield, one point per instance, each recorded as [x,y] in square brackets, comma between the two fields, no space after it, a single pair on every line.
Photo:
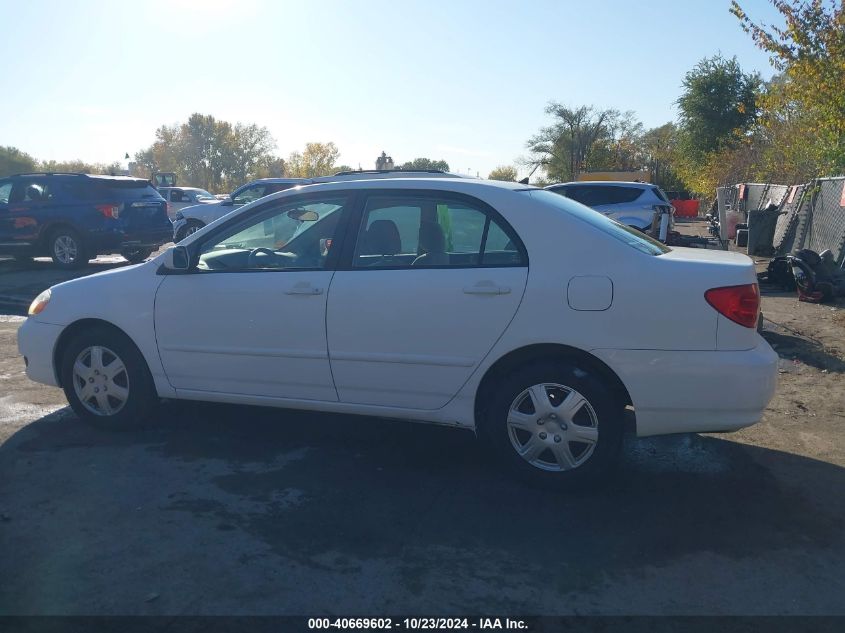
[630,236]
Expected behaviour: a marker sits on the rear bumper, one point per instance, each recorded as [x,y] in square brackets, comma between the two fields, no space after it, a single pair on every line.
[115,241]
[36,343]
[696,392]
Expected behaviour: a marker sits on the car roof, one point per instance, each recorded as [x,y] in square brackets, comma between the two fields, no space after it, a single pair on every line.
[275,180]
[607,183]
[449,184]
[78,174]
[381,174]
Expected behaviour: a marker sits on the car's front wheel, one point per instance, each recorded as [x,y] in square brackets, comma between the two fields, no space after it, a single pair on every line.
[554,423]
[106,379]
[189,229]
[67,249]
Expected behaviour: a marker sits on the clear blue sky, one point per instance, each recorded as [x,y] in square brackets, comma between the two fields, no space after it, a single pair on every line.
[465,81]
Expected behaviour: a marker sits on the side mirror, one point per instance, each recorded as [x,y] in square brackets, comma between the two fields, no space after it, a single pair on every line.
[177,259]
[228,202]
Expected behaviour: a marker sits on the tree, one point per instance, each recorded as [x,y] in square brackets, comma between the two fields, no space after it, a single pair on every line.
[808,100]
[14,161]
[660,150]
[210,153]
[318,159]
[717,105]
[425,164]
[562,147]
[80,166]
[250,153]
[619,145]
[503,172]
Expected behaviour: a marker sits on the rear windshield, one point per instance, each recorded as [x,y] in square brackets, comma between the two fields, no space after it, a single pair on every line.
[110,189]
[659,193]
[630,236]
[598,195]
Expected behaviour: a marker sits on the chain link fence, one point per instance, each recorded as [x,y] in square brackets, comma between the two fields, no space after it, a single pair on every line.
[810,215]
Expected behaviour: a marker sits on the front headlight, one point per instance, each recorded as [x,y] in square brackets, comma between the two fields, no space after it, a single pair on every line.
[40,302]
[179,216]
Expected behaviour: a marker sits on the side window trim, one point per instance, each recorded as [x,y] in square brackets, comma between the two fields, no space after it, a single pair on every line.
[354,220]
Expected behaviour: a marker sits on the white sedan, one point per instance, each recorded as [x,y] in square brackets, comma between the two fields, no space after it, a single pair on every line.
[497,307]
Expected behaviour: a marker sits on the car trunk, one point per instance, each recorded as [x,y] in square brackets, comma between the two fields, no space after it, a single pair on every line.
[702,270]
[141,208]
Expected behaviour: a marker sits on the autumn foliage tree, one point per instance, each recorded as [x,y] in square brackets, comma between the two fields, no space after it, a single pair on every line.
[806,106]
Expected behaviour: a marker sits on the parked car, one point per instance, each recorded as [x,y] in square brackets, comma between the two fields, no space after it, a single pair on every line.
[414,299]
[631,203]
[191,219]
[181,197]
[74,217]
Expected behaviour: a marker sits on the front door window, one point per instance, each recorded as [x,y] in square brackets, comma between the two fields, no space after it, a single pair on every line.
[294,235]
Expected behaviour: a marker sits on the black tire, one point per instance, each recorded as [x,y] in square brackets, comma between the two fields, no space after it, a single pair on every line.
[67,248]
[606,405]
[191,227]
[136,255]
[136,378]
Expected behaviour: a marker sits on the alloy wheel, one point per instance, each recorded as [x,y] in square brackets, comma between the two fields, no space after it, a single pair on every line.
[553,427]
[65,249]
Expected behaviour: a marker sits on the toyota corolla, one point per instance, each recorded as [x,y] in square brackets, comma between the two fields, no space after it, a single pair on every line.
[497,307]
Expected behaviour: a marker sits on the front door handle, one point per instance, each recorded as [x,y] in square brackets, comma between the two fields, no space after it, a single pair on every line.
[486,288]
[303,288]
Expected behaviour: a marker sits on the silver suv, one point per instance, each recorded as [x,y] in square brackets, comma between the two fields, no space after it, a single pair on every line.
[192,219]
[631,203]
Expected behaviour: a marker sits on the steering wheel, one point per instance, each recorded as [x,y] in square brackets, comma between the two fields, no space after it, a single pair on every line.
[252,261]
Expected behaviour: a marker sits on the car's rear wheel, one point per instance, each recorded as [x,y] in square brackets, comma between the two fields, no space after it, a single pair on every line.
[554,423]
[67,249]
[189,229]
[135,255]
[106,379]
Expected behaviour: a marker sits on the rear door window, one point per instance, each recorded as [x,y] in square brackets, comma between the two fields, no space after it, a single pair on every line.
[431,231]
[5,191]
[31,190]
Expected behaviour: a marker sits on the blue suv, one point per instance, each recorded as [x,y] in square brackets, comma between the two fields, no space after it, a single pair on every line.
[75,217]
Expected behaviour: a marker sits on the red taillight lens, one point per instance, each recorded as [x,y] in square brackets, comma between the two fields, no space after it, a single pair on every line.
[109,210]
[741,304]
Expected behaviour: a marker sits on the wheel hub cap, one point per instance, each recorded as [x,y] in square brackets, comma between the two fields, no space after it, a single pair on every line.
[100,380]
[553,427]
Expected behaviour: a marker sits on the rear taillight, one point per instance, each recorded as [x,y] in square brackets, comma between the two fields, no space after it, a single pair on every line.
[741,304]
[109,210]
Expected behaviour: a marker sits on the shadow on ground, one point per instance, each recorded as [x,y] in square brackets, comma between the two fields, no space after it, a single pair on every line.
[327,492]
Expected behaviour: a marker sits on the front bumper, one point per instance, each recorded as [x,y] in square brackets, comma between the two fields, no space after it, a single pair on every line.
[696,392]
[37,343]
[178,224]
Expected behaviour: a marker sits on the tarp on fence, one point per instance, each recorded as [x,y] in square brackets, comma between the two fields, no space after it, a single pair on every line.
[810,215]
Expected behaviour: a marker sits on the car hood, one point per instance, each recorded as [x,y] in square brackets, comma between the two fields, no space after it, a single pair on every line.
[202,206]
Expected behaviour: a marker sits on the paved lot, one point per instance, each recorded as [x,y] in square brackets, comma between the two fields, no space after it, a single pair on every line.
[221,509]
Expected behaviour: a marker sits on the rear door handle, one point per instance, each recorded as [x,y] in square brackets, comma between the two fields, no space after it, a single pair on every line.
[486,288]
[303,288]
